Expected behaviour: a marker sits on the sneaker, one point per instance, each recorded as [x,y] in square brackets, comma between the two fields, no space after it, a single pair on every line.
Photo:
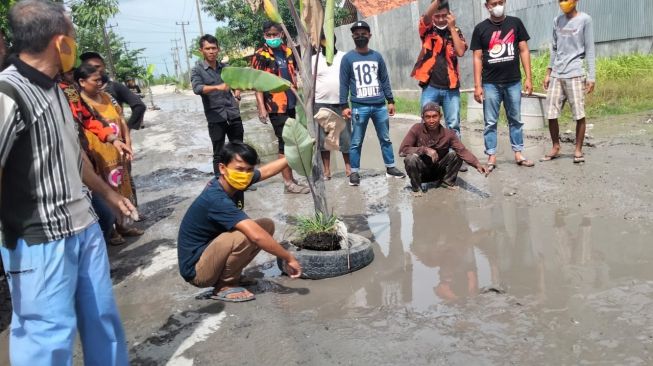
[296,189]
[394,172]
[354,179]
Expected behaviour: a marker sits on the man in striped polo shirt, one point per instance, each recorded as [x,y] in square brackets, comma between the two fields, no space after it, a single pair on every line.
[53,250]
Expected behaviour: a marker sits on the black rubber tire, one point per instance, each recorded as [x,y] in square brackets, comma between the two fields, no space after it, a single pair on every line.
[326,264]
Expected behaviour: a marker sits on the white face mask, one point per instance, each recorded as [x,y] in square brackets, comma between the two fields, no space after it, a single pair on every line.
[498,11]
[441,27]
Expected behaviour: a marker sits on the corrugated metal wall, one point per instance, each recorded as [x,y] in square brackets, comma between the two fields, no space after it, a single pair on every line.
[394,34]
[613,19]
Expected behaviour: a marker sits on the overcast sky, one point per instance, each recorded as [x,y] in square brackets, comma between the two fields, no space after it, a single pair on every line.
[150,24]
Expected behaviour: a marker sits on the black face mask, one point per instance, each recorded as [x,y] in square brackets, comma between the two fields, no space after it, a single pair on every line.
[105,78]
[361,42]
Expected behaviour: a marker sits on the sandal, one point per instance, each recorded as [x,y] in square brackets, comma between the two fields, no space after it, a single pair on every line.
[222,295]
[550,157]
[579,159]
[491,167]
[132,231]
[116,239]
[525,162]
[296,188]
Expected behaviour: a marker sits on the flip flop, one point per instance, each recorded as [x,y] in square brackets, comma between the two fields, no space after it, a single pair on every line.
[222,295]
[579,159]
[525,163]
[550,157]
[491,167]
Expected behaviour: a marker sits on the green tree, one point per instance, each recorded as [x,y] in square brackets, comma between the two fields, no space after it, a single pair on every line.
[90,17]
[244,28]
[5,5]
[93,13]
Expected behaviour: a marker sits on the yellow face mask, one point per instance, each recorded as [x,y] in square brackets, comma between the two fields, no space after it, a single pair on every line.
[238,180]
[67,48]
[567,6]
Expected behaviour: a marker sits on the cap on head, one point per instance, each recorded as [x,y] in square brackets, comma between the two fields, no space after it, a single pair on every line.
[360,25]
[89,55]
[431,107]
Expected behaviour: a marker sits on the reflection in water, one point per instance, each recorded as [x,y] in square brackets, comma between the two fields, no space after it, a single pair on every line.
[450,250]
[426,258]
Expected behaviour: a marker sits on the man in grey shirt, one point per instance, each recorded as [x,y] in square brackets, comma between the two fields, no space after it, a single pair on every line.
[220,104]
[573,42]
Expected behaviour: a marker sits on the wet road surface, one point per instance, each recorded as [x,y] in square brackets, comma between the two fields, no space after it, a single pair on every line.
[551,265]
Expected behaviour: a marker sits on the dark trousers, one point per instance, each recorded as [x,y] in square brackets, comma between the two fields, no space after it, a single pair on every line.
[421,169]
[218,131]
[104,213]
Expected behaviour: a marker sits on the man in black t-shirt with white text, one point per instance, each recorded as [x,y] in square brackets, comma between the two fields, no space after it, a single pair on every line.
[499,43]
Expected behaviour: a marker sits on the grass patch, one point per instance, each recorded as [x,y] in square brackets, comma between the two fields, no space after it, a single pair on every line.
[623,86]
[318,232]
[320,223]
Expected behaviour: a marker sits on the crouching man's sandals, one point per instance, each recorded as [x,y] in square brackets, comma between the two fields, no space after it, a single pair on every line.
[224,295]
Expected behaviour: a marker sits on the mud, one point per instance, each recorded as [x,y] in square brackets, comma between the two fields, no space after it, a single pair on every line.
[545,265]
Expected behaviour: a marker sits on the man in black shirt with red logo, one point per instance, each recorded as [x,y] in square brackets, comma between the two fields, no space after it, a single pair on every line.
[499,43]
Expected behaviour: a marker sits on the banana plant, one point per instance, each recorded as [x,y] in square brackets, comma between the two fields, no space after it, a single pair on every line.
[329,25]
[300,147]
[245,78]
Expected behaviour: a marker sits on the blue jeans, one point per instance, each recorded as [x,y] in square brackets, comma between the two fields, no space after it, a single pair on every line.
[56,289]
[449,99]
[361,115]
[510,95]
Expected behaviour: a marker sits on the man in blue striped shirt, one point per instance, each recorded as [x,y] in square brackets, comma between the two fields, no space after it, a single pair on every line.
[52,250]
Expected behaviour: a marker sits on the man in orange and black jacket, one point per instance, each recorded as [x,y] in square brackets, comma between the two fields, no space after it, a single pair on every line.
[436,68]
[278,59]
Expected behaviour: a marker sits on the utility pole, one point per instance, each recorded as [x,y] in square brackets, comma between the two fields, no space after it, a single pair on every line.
[105,35]
[175,57]
[199,16]
[183,31]
[176,50]
[165,62]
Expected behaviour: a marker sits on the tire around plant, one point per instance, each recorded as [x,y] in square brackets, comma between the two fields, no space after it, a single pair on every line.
[326,264]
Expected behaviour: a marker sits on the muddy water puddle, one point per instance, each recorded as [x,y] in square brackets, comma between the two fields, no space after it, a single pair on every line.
[540,257]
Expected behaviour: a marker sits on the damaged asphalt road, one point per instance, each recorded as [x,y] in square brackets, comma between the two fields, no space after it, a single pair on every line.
[549,265]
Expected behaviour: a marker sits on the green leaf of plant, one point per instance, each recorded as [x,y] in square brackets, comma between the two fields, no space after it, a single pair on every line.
[329,24]
[246,78]
[301,115]
[150,70]
[298,147]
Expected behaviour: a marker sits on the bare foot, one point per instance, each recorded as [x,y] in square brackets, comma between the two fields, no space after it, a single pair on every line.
[553,154]
[492,160]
